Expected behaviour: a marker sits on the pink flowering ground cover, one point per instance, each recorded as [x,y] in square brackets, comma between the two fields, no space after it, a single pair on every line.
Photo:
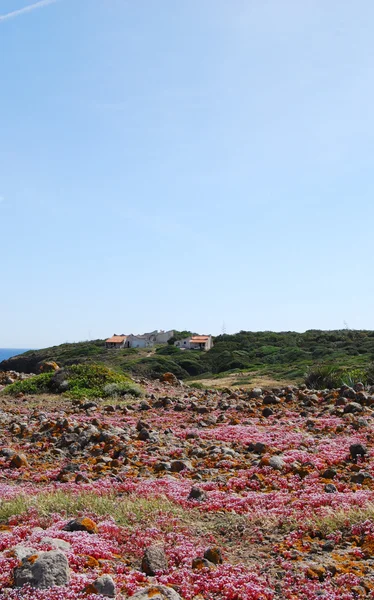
[281,495]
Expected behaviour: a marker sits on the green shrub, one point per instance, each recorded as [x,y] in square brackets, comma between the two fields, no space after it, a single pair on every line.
[121,389]
[331,376]
[85,380]
[40,384]
[168,350]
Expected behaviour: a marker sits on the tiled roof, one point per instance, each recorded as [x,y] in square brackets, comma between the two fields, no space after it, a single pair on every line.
[116,339]
[199,339]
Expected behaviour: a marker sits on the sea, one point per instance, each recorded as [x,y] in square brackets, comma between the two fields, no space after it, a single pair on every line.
[9,352]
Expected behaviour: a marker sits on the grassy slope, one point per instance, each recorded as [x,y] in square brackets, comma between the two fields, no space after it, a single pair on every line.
[258,355]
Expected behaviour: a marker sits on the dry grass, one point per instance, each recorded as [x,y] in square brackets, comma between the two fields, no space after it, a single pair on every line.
[126,509]
[242,380]
[341,519]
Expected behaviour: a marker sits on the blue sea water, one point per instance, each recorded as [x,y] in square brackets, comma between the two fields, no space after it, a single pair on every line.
[9,352]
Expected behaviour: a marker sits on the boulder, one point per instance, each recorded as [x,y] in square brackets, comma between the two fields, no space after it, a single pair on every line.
[103,586]
[56,543]
[18,461]
[81,524]
[214,555]
[48,366]
[154,560]
[277,463]
[353,407]
[170,378]
[357,450]
[43,570]
[156,592]
[21,552]
[197,494]
[330,488]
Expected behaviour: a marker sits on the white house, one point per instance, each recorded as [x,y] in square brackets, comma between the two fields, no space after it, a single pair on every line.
[196,342]
[146,340]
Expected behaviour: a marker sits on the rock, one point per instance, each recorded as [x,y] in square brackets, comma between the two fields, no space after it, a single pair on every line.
[271,400]
[7,452]
[267,412]
[103,586]
[18,461]
[330,488]
[257,448]
[154,560]
[81,524]
[197,494]
[56,543]
[328,546]
[48,366]
[179,465]
[357,450]
[328,474]
[361,477]
[170,378]
[200,562]
[277,463]
[43,570]
[156,592]
[353,407]
[144,435]
[21,552]
[214,555]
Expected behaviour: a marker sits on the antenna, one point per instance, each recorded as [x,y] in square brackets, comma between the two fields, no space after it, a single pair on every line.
[346,326]
[223,328]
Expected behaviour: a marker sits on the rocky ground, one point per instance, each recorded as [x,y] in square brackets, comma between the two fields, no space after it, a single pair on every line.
[188,494]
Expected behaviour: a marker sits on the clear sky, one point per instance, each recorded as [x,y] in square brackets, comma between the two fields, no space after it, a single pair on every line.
[185,163]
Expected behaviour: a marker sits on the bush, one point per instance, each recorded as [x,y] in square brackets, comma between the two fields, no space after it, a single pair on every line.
[84,380]
[331,376]
[168,350]
[155,366]
[40,384]
[121,389]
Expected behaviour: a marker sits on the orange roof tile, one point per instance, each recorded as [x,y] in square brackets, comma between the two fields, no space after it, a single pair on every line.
[199,339]
[116,339]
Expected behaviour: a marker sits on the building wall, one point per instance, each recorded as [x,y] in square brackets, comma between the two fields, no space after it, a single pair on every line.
[185,343]
[162,337]
[115,345]
[138,342]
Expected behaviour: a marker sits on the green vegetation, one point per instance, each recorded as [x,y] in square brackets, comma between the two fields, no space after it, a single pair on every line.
[78,381]
[331,376]
[127,511]
[280,356]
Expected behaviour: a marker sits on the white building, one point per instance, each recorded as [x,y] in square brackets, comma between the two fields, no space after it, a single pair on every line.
[146,340]
[196,342]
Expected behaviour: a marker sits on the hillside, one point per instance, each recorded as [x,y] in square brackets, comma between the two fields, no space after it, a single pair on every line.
[249,355]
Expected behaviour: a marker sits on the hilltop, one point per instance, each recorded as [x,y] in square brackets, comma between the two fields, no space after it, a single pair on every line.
[241,358]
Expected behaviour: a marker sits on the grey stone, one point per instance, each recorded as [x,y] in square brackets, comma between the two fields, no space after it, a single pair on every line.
[154,560]
[156,592]
[47,570]
[56,543]
[277,463]
[105,586]
[21,552]
[197,494]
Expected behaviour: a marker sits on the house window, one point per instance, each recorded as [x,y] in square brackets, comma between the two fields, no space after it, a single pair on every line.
[185,343]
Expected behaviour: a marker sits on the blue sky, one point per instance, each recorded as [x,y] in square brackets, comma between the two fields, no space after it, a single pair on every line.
[184,164]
